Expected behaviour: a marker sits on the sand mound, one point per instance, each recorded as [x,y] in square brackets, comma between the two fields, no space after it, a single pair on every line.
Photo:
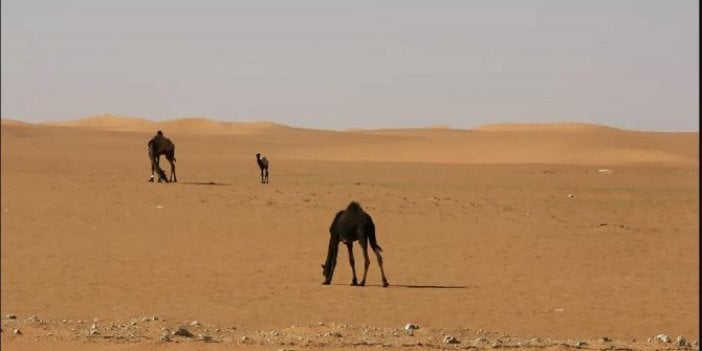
[194,125]
[551,127]
[107,122]
[560,143]
[12,122]
[208,126]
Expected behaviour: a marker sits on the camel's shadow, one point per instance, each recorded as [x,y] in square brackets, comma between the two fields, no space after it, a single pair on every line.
[431,286]
[206,183]
[412,286]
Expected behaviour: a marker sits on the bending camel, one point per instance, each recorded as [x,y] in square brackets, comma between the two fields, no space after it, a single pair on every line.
[350,225]
[157,146]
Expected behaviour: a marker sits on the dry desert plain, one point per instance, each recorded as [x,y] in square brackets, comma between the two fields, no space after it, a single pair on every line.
[531,236]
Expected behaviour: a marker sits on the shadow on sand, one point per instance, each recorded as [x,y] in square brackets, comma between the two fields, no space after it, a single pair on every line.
[431,286]
[416,286]
[206,183]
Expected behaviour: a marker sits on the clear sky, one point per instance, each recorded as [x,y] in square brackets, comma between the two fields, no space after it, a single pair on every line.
[355,63]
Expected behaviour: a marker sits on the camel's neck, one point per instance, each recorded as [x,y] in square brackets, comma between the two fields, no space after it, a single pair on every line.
[332,253]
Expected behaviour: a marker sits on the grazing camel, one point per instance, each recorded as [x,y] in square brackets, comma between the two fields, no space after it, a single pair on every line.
[348,226]
[157,146]
[263,165]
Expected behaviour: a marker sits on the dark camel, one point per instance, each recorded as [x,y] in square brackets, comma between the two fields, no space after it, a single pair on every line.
[263,165]
[157,146]
[348,226]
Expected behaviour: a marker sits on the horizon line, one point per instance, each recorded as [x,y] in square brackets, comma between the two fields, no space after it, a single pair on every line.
[437,126]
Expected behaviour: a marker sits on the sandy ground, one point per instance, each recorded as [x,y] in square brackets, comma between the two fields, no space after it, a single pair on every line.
[535,237]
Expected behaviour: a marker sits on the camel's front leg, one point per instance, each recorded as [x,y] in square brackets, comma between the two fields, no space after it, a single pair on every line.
[366,262]
[155,166]
[353,263]
[173,172]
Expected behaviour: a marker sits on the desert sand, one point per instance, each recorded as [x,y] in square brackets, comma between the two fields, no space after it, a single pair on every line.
[531,236]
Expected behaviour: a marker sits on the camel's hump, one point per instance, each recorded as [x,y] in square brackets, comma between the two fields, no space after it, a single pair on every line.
[354,206]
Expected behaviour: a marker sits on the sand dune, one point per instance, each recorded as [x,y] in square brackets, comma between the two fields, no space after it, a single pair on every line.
[194,125]
[107,122]
[560,143]
[12,122]
[514,237]
[553,127]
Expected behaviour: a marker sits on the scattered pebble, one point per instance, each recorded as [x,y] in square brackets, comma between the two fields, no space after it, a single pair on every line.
[195,323]
[10,316]
[204,337]
[605,339]
[570,196]
[182,332]
[680,341]
[410,328]
[580,343]
[662,338]
[17,331]
[450,339]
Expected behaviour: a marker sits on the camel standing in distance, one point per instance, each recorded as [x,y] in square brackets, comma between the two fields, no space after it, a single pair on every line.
[348,226]
[263,165]
[157,146]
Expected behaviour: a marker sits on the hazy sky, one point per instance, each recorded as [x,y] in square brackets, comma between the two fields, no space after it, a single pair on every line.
[355,64]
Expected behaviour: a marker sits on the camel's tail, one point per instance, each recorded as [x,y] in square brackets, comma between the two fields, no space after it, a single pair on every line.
[371,238]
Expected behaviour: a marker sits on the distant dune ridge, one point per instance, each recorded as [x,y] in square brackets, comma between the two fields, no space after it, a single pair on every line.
[550,143]
[207,125]
[181,125]
[554,127]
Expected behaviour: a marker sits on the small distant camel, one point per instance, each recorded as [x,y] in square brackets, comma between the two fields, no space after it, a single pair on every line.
[263,165]
[157,146]
[348,226]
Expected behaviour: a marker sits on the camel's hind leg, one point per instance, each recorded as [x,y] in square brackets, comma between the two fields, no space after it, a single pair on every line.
[353,263]
[173,170]
[380,263]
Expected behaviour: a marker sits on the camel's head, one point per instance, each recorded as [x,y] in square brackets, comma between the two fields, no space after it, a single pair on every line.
[258,156]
